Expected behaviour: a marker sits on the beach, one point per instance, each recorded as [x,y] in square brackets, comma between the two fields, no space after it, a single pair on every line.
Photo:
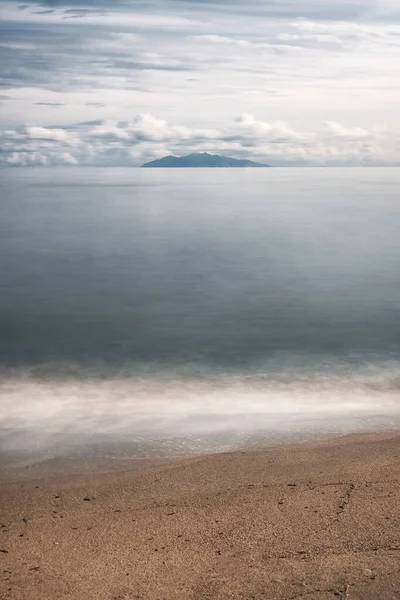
[313,520]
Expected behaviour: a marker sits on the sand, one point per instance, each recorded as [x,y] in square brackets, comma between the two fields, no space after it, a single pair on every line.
[308,521]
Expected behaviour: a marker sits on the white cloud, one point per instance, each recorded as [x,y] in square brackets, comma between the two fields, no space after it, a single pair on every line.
[352,34]
[337,130]
[41,133]
[251,128]
[319,38]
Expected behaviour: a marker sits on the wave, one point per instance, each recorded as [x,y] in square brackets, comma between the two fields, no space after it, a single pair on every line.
[42,412]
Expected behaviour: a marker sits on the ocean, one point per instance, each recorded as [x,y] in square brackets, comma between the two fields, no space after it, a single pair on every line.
[188,309]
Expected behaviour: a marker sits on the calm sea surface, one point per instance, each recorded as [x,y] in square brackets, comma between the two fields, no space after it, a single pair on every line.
[183,303]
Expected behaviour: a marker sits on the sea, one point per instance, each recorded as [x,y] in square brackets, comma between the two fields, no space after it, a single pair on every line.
[154,311]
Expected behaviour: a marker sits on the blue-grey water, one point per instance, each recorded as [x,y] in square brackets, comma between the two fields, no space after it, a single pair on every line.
[189,303]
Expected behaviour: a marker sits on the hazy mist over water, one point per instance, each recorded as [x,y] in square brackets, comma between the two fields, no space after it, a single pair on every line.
[177,303]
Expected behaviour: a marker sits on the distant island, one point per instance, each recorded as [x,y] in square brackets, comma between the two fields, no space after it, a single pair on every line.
[204,160]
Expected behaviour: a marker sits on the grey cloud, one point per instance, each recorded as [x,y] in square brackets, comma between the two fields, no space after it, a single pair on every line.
[22,67]
[83,11]
[79,13]
[77,126]
[53,104]
[60,59]
[93,123]
[131,65]
[80,3]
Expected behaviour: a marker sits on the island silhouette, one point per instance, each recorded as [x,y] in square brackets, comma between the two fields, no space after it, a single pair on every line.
[204,160]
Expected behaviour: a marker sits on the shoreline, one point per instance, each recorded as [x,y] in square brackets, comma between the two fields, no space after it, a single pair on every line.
[36,453]
[315,519]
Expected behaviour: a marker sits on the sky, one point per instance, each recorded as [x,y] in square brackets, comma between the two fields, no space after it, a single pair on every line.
[118,83]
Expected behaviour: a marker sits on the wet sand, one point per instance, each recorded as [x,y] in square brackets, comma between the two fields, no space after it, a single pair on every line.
[317,520]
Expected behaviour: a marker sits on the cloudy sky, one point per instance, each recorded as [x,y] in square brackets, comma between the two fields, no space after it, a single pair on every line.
[117,82]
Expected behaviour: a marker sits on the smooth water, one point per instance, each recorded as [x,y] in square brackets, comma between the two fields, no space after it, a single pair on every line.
[181,303]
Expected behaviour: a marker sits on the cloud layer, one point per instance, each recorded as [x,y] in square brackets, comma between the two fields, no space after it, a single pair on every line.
[115,143]
[171,76]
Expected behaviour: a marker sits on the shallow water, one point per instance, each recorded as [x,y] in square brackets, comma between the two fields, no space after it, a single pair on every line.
[186,304]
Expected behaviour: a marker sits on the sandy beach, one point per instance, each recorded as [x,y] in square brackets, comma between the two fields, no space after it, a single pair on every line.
[318,520]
